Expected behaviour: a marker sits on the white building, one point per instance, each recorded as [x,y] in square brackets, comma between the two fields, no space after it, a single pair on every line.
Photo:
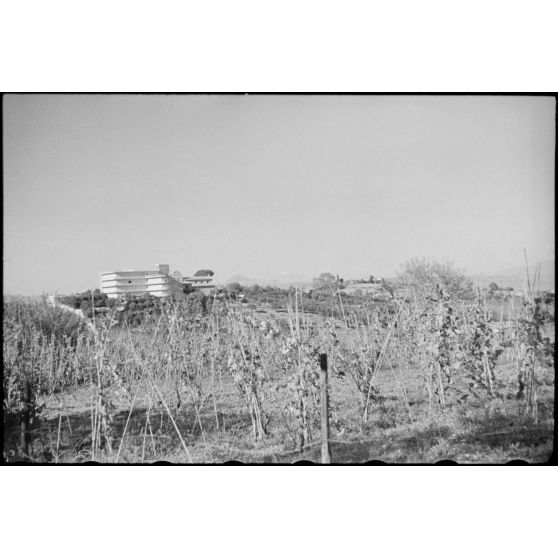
[156,282]
[203,283]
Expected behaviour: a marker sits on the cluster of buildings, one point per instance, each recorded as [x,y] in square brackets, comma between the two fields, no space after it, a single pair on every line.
[156,282]
[374,287]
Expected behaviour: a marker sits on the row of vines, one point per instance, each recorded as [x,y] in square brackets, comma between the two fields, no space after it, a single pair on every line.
[174,356]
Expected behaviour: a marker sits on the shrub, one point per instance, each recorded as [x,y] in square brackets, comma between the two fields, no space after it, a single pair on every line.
[426,277]
[482,348]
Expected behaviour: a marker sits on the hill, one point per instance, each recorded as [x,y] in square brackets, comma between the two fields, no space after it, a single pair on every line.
[250,281]
[516,277]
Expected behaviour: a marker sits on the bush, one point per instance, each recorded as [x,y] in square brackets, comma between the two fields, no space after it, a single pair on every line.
[52,322]
[195,303]
[424,276]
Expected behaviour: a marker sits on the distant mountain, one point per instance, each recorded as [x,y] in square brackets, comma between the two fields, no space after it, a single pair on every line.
[300,284]
[512,277]
[290,278]
[250,281]
[516,277]
[239,279]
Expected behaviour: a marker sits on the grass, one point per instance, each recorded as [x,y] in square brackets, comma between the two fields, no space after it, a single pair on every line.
[472,433]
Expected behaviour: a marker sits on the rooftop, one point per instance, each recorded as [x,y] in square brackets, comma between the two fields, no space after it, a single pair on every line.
[133,271]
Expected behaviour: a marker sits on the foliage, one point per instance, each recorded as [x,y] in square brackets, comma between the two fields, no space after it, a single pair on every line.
[20,379]
[359,359]
[178,356]
[235,287]
[50,321]
[245,367]
[425,276]
[531,348]
[328,282]
[234,290]
[482,348]
[493,287]
[388,286]
[301,353]
[188,288]
[88,299]
[434,332]
[195,304]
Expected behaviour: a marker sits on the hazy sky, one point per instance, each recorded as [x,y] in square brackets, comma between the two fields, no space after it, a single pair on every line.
[269,185]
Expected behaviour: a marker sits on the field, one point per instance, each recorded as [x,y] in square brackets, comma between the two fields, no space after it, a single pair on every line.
[410,381]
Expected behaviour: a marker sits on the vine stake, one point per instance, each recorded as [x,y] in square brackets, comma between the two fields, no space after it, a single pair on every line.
[326,456]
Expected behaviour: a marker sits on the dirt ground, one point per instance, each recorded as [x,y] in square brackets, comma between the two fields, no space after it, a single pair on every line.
[401,428]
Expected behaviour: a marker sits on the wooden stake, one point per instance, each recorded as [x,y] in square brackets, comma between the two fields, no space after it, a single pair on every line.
[326,456]
[25,418]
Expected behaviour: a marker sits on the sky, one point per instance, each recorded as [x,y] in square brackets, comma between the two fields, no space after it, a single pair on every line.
[272,187]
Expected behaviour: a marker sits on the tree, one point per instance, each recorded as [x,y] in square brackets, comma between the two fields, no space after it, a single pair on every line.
[423,276]
[493,287]
[325,281]
[234,288]
[256,289]
[188,288]
[204,273]
[196,303]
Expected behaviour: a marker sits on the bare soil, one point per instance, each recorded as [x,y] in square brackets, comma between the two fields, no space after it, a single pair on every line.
[402,428]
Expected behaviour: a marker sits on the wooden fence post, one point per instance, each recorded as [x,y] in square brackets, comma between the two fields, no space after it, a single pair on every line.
[24,420]
[326,456]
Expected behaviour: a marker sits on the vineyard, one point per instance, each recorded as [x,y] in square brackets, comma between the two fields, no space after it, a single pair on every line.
[420,379]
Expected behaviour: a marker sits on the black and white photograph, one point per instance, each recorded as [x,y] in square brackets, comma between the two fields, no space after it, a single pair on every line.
[278,278]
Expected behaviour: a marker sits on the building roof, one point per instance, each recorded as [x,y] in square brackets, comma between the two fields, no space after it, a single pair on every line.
[153,272]
[199,278]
